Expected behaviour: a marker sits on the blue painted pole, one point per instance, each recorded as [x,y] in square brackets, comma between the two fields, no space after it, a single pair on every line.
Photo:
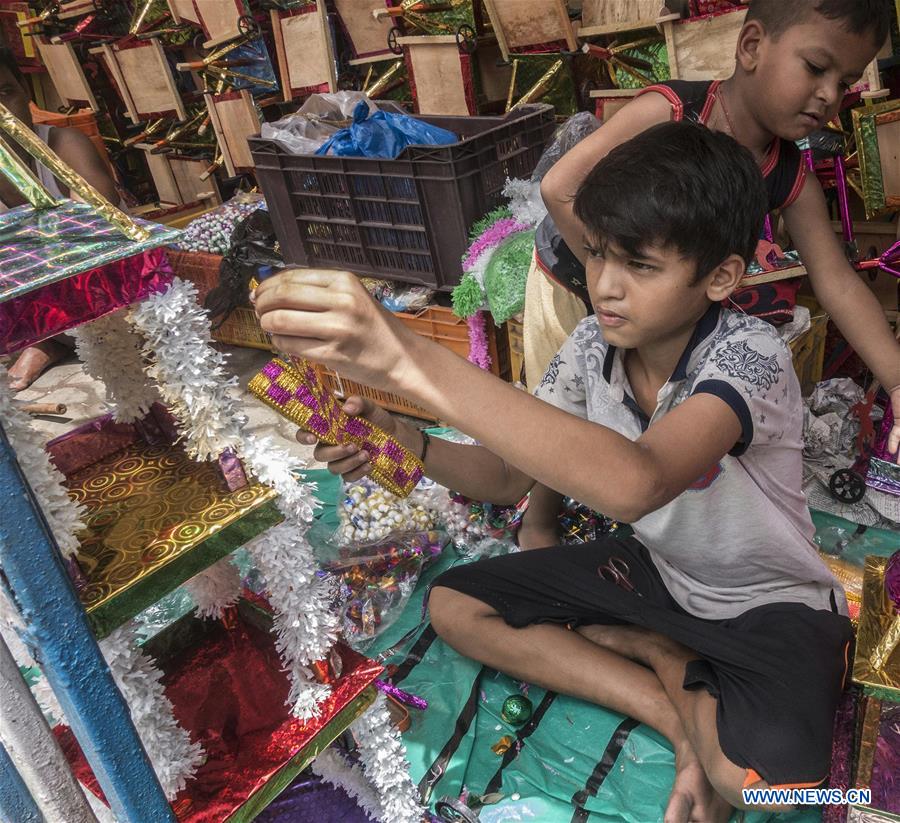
[16,804]
[61,640]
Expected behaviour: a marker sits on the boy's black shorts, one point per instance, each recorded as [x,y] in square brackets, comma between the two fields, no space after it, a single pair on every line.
[777,671]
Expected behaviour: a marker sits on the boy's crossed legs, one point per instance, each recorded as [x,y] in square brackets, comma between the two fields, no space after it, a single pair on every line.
[555,658]
[510,613]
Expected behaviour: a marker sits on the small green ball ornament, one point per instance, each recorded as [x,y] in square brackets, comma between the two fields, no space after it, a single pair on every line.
[516,710]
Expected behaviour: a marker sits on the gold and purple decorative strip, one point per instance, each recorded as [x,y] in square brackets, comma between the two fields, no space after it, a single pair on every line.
[296,392]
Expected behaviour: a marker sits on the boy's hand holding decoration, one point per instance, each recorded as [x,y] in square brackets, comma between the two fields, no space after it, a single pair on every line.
[329,317]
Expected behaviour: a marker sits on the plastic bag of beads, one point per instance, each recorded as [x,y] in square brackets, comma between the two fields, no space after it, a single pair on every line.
[211,232]
[367,512]
[375,580]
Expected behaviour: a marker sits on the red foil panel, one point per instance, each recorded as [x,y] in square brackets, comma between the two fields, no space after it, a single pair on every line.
[45,312]
[229,692]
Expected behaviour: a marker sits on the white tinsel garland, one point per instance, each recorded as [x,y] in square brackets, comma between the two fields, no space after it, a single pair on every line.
[193,383]
[334,769]
[189,373]
[174,757]
[383,757]
[305,625]
[110,352]
[46,481]
[215,589]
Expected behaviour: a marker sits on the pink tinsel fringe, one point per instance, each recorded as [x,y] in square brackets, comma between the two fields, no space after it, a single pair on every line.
[494,236]
[478,342]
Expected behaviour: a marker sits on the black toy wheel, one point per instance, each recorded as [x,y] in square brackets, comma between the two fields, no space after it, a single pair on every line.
[455,811]
[847,486]
[393,45]
[466,40]
[247,25]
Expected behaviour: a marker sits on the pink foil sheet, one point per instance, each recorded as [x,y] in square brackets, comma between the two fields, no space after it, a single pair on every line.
[42,313]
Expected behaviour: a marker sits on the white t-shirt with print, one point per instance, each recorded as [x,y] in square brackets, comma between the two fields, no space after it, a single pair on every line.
[741,536]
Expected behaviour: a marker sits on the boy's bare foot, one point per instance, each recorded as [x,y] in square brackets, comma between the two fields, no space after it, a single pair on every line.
[693,799]
[33,361]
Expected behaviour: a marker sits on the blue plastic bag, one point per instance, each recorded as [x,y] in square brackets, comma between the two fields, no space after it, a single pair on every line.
[383,135]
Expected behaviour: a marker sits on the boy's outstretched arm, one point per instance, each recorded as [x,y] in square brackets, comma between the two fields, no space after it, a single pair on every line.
[560,184]
[330,318]
[842,293]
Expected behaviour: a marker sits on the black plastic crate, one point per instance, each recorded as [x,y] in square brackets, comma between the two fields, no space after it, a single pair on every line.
[405,219]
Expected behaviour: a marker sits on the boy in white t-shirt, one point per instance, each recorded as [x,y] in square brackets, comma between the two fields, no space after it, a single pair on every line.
[716,624]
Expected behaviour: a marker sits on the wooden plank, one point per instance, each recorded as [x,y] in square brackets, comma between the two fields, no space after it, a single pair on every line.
[163,179]
[438,76]
[280,56]
[112,66]
[183,10]
[211,107]
[611,16]
[772,276]
[186,172]
[375,58]
[368,35]
[146,74]
[521,23]
[219,19]
[427,40]
[303,48]
[498,29]
[612,101]
[322,14]
[66,73]
[495,75]
[234,119]
[704,48]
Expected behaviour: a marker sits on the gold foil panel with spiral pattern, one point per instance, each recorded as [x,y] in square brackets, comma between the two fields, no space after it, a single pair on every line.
[155,519]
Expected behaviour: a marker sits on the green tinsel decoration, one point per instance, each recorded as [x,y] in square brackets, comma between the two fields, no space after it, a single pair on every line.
[506,274]
[467,297]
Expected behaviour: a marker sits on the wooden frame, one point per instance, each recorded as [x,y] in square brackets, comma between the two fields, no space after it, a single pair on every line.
[178,180]
[610,101]
[303,48]
[234,118]
[368,35]
[702,48]
[439,75]
[877,131]
[613,16]
[66,73]
[521,23]
[142,76]
[219,19]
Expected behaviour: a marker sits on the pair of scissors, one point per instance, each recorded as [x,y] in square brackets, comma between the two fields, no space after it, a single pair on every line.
[616,571]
